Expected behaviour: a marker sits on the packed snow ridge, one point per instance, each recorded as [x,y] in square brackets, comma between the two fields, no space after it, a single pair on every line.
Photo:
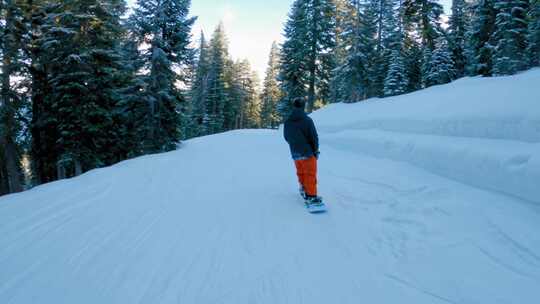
[483,132]
[432,198]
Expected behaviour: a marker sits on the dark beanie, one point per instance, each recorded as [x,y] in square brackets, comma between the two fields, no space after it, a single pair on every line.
[299,103]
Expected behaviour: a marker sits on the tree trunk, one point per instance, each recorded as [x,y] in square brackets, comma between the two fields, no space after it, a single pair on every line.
[8,111]
[13,168]
[4,185]
[78,167]
[60,171]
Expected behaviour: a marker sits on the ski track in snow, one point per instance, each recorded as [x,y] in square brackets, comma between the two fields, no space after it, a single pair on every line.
[220,221]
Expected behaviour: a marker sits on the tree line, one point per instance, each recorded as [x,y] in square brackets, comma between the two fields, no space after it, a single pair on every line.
[352,50]
[86,84]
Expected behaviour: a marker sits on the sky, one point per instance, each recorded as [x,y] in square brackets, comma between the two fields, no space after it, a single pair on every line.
[251,25]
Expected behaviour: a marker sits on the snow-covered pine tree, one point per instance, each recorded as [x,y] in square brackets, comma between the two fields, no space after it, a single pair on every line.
[441,67]
[235,78]
[163,30]
[457,29]
[396,81]
[533,49]
[42,127]
[341,49]
[413,56]
[425,18]
[321,43]
[133,106]
[292,74]
[479,41]
[510,35]
[271,92]
[308,49]
[199,88]
[252,102]
[217,98]
[86,76]
[354,77]
[70,102]
[386,21]
[110,77]
[243,102]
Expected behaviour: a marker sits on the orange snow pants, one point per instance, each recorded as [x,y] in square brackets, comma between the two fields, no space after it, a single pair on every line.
[306,169]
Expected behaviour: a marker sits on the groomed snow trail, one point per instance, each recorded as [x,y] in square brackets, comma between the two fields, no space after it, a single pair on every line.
[220,221]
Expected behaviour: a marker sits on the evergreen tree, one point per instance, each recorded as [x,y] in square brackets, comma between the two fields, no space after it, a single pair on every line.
[413,56]
[424,17]
[396,81]
[42,126]
[217,99]
[308,59]
[86,75]
[509,54]
[441,67]
[386,21]
[354,78]
[479,46]
[243,97]
[292,75]
[533,49]
[133,105]
[458,27]
[341,50]
[162,28]
[271,92]
[199,88]
[321,44]
[252,102]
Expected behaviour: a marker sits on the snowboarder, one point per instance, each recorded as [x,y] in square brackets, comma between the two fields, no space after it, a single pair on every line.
[301,135]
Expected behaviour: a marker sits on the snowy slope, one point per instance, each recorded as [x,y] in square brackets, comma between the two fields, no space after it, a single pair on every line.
[483,132]
[219,221]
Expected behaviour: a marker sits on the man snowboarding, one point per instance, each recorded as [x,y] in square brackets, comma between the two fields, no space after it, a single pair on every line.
[301,135]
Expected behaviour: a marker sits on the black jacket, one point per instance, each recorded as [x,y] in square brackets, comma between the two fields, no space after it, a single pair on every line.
[300,133]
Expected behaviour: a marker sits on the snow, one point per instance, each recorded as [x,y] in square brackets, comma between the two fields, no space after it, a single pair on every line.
[220,220]
[482,132]
[496,108]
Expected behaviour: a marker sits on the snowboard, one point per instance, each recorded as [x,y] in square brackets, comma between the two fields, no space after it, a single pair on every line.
[315,208]
[312,208]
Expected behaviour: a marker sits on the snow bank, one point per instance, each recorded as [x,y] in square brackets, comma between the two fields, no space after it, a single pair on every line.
[482,132]
[496,108]
[511,167]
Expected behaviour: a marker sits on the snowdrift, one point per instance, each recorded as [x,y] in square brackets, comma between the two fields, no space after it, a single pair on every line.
[480,131]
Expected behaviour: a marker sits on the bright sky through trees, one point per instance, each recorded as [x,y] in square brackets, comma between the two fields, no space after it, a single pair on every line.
[251,25]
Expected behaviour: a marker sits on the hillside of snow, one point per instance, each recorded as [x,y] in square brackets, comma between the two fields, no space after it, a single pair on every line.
[433,198]
[482,132]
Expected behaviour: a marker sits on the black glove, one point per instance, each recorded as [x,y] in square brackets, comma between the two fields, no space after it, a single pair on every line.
[317,154]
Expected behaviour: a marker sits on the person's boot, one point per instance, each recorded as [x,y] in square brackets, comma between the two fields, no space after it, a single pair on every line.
[314,200]
[302,192]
